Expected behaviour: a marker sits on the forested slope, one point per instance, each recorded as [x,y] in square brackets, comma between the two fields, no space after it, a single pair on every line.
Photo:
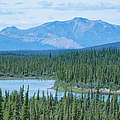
[16,106]
[76,69]
[90,68]
[83,68]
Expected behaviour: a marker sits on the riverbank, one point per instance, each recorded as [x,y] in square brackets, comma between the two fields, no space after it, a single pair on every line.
[62,86]
[103,91]
[29,77]
[74,89]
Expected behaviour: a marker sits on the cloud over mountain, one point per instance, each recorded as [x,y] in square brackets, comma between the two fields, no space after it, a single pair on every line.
[30,13]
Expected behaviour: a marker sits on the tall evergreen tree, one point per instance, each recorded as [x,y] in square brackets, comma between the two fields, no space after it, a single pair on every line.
[1,105]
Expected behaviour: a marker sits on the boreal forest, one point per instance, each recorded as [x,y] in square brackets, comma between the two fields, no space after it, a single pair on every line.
[86,71]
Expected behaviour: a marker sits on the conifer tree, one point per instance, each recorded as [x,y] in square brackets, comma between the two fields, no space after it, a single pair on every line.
[25,108]
[1,105]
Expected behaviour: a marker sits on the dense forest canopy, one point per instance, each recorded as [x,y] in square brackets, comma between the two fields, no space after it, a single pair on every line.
[88,68]
[74,69]
[93,67]
[17,106]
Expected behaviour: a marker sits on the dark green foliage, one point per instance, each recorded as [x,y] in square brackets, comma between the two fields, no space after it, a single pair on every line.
[81,69]
[1,106]
[90,69]
[99,67]
[77,69]
[25,115]
[66,108]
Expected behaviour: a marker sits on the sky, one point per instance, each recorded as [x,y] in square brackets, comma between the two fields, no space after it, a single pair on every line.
[25,14]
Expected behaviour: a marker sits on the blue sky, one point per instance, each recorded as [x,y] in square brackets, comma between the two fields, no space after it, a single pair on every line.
[29,13]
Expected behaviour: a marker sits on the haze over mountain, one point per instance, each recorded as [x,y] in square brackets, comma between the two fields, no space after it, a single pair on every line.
[71,34]
[109,45]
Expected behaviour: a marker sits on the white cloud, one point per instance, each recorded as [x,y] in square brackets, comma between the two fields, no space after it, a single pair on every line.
[66,4]
[80,4]
[29,13]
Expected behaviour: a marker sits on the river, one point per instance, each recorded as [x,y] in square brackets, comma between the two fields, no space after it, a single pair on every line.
[34,86]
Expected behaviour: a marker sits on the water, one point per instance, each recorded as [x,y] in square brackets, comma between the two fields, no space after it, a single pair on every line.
[34,86]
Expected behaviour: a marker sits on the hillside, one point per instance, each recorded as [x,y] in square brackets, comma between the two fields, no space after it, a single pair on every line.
[109,45]
[71,34]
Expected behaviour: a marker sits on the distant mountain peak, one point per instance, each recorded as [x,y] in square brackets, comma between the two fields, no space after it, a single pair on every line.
[80,18]
[12,28]
[76,33]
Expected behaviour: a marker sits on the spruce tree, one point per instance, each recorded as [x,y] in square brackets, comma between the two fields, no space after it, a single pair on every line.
[1,105]
[25,115]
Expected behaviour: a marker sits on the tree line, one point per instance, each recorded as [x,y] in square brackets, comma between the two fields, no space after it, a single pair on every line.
[92,67]
[89,106]
[89,67]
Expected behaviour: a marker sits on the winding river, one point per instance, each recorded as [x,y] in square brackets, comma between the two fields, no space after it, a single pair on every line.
[34,86]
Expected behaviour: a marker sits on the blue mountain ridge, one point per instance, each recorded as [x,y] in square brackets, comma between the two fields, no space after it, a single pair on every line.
[72,34]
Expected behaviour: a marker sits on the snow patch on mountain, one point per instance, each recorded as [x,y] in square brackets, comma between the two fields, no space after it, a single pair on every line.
[62,43]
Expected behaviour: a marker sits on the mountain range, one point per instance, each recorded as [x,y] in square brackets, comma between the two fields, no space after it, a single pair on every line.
[72,34]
